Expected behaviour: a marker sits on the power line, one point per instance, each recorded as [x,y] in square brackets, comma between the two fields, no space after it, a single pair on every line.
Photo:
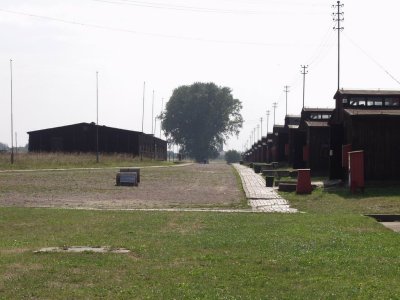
[159,35]
[180,7]
[177,7]
[371,58]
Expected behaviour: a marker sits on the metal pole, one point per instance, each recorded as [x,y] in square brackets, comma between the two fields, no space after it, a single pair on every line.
[286,91]
[162,108]
[304,72]
[261,126]
[338,16]
[144,89]
[275,105]
[97,116]
[268,112]
[12,119]
[258,131]
[152,114]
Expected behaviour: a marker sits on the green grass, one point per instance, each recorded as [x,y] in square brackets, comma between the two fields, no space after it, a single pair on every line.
[25,161]
[339,200]
[197,256]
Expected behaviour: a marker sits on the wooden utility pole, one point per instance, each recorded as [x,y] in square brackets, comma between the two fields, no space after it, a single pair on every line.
[304,72]
[338,17]
[97,116]
[152,114]
[144,90]
[274,105]
[12,120]
[286,90]
[162,108]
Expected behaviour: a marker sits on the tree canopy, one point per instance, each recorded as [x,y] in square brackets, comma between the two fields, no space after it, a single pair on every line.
[232,156]
[200,117]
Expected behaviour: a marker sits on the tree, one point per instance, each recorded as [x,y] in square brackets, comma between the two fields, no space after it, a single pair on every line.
[200,117]
[232,156]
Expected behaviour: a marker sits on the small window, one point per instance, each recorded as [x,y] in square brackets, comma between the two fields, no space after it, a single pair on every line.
[326,117]
[392,102]
[353,102]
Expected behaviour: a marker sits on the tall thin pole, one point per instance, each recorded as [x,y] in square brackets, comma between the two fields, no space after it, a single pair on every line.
[97,116]
[144,90]
[286,90]
[338,16]
[268,112]
[274,105]
[12,118]
[162,108]
[261,120]
[152,114]
[258,131]
[304,72]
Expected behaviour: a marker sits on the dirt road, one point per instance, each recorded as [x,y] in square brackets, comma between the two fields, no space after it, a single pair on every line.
[212,185]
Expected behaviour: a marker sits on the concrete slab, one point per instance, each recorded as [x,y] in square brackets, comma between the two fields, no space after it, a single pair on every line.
[80,249]
[395,226]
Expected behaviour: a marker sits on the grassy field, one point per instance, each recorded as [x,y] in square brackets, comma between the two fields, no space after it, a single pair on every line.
[197,256]
[339,200]
[330,251]
[25,161]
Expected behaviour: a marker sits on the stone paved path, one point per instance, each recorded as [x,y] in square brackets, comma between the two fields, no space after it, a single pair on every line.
[261,198]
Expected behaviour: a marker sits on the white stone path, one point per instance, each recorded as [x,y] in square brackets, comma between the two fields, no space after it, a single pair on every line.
[261,198]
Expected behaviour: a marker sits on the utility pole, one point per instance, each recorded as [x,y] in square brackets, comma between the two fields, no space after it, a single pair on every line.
[268,112]
[286,90]
[97,116]
[12,120]
[144,90]
[261,119]
[162,108]
[274,105]
[258,131]
[338,17]
[304,72]
[152,114]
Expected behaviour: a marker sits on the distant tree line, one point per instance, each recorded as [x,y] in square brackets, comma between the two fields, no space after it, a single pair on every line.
[4,147]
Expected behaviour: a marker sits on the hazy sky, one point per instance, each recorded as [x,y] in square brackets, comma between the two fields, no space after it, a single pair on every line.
[255,47]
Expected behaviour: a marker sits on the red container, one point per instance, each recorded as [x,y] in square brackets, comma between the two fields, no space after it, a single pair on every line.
[303,182]
[306,153]
[345,155]
[356,170]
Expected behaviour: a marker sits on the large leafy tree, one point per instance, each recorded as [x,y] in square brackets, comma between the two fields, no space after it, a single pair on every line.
[200,117]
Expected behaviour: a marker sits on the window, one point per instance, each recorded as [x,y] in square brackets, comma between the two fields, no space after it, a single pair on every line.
[392,102]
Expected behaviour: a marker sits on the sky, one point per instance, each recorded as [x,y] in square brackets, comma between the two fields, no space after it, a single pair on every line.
[254,47]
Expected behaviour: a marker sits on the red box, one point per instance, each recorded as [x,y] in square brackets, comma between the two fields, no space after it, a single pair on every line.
[356,170]
[303,182]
